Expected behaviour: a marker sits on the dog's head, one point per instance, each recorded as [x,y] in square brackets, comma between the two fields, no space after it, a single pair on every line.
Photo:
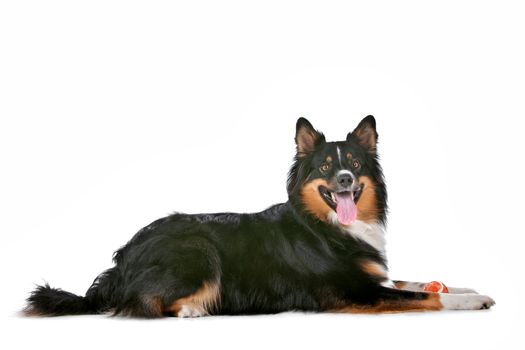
[338,182]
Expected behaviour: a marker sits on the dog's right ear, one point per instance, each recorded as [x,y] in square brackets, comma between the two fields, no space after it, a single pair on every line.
[306,137]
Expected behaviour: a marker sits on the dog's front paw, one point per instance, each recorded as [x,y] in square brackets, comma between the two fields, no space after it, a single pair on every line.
[488,302]
[466,301]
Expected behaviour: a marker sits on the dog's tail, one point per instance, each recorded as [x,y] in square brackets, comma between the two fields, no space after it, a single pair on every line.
[47,301]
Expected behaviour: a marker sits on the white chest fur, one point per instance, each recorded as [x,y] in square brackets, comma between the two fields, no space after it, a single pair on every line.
[373,234]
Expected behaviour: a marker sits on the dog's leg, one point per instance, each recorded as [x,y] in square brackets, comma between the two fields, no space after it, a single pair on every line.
[200,303]
[419,286]
[391,300]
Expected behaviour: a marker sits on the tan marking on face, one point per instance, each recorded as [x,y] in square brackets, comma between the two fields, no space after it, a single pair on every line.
[374,269]
[206,300]
[367,210]
[431,303]
[349,155]
[328,159]
[313,201]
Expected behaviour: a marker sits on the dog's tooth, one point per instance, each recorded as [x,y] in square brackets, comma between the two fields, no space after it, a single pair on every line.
[333,196]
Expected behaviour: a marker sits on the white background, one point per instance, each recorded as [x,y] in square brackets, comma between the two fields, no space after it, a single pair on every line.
[116,113]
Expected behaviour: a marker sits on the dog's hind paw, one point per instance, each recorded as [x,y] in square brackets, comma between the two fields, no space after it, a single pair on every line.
[190,311]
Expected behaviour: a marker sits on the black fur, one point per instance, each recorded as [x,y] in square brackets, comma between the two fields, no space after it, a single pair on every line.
[45,300]
[283,258]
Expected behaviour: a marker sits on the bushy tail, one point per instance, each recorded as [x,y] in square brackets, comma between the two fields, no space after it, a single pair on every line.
[100,297]
[47,301]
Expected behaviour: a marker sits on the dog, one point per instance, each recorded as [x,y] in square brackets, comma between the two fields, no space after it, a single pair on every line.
[321,251]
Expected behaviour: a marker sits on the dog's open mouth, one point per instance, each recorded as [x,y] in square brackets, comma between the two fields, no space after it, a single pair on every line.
[342,202]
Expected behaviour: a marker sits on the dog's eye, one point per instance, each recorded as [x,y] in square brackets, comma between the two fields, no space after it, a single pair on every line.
[324,167]
[356,164]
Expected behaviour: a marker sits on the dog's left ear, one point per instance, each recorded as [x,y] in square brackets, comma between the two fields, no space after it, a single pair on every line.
[365,134]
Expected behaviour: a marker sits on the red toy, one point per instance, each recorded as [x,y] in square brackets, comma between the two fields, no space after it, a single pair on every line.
[435,287]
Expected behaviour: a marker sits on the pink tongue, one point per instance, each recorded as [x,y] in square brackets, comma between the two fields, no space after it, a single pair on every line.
[346,209]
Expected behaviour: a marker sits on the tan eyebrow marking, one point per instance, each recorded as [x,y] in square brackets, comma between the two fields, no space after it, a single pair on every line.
[329,159]
[349,155]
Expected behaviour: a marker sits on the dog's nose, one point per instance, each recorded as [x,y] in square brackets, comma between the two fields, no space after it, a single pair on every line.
[344,180]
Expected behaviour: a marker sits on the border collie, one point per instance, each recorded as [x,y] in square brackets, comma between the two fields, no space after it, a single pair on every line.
[321,251]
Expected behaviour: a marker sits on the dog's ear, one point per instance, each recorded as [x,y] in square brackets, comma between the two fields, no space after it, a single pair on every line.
[365,134]
[306,137]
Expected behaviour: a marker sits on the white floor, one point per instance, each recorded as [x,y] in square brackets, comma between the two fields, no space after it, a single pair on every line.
[497,328]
